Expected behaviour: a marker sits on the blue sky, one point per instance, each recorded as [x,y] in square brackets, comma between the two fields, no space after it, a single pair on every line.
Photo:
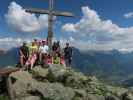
[116,17]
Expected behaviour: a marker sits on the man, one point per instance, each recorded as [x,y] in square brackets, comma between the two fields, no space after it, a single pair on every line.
[68,55]
[23,54]
[44,50]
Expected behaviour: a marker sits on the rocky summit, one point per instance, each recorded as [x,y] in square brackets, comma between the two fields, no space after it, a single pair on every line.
[59,83]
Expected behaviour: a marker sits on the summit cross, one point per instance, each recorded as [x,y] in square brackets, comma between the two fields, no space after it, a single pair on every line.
[51,13]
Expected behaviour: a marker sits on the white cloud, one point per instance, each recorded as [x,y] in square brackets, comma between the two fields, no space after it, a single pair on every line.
[69,27]
[18,19]
[97,34]
[129,15]
[9,42]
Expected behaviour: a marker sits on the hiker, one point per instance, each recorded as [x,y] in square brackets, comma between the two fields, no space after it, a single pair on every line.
[56,59]
[31,60]
[33,47]
[33,55]
[56,48]
[44,50]
[68,55]
[23,54]
[49,60]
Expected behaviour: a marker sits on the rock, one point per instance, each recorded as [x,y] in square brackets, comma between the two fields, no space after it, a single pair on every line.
[21,76]
[76,80]
[80,93]
[127,96]
[118,91]
[56,72]
[21,83]
[111,97]
[59,83]
[94,97]
[53,91]
[30,98]
[40,73]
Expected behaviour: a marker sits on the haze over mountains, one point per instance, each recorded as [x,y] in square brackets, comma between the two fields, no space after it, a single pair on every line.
[113,66]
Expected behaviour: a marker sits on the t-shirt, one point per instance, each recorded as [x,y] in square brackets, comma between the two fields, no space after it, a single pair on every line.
[44,49]
[56,60]
[33,49]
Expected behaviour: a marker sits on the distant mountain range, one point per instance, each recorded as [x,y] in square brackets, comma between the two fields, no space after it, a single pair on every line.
[113,66]
[9,57]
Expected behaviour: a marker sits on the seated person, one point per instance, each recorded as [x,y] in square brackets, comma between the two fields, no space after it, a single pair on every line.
[48,61]
[23,54]
[33,55]
[31,61]
[56,59]
[44,50]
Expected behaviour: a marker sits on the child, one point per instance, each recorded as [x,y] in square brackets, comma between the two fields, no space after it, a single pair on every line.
[56,59]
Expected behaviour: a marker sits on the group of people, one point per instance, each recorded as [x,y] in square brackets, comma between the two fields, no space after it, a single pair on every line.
[38,52]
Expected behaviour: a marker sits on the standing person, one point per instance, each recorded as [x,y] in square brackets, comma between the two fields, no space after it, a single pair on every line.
[68,55]
[44,50]
[23,54]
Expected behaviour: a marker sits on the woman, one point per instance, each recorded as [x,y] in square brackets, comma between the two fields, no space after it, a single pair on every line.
[33,56]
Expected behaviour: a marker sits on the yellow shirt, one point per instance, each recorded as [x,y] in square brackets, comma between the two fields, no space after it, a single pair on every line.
[55,60]
[33,49]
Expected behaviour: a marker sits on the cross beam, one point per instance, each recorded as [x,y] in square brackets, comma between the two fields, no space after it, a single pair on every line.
[50,13]
[55,13]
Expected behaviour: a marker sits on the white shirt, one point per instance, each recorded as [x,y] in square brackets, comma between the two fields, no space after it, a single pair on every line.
[44,49]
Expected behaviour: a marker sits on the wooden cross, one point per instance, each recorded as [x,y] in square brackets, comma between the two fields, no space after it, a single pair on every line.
[50,13]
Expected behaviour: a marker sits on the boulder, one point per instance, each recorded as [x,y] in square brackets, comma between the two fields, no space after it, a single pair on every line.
[21,83]
[94,97]
[127,96]
[53,91]
[40,73]
[30,98]
[111,97]
[75,80]
[56,73]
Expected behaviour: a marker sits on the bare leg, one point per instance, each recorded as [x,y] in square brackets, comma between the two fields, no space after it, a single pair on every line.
[21,61]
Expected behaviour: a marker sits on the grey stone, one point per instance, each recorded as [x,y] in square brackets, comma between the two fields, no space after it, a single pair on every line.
[54,91]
